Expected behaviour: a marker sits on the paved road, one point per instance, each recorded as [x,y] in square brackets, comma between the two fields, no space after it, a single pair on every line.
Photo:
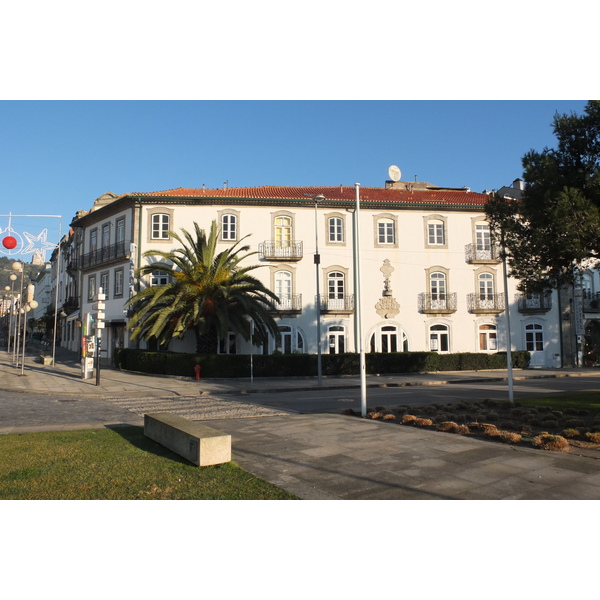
[316,456]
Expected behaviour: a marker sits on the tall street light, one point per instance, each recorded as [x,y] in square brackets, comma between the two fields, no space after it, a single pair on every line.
[18,268]
[29,305]
[357,306]
[318,199]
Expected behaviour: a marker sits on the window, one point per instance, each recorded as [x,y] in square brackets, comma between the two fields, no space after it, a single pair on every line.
[388,338]
[93,240]
[336,339]
[483,240]
[336,230]
[439,338]
[486,287]
[335,290]
[160,226]
[283,231]
[437,287]
[587,286]
[385,232]
[229,227]
[385,227]
[436,233]
[120,232]
[106,235]
[104,283]
[92,287]
[289,340]
[534,338]
[158,278]
[488,338]
[118,282]
[283,289]
[228,345]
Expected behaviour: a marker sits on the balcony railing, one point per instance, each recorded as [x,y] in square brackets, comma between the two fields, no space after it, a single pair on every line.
[487,304]
[280,251]
[71,304]
[591,302]
[289,304]
[476,253]
[437,303]
[343,304]
[534,303]
[105,255]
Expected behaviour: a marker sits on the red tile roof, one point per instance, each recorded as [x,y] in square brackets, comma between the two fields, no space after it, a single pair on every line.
[456,198]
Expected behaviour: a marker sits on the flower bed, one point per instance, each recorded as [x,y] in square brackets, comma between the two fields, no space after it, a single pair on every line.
[539,427]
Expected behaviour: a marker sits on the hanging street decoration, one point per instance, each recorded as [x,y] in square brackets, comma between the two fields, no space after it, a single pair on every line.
[9,242]
[13,243]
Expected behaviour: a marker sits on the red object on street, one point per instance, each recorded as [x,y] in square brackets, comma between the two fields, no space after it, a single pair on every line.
[9,242]
[197,370]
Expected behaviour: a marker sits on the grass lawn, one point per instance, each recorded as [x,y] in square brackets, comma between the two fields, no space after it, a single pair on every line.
[589,401]
[116,464]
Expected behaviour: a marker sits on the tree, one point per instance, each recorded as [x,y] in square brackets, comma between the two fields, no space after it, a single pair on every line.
[209,293]
[556,226]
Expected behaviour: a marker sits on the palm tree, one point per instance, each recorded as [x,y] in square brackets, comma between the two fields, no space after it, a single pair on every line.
[207,292]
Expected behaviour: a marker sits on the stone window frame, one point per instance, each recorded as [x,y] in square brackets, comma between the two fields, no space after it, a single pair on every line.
[380,217]
[91,287]
[334,269]
[233,213]
[276,268]
[426,222]
[105,277]
[488,271]
[159,210]
[479,220]
[437,269]
[433,323]
[284,213]
[335,215]
[116,293]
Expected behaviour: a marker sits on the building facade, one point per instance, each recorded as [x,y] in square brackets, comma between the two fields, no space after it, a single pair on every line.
[431,278]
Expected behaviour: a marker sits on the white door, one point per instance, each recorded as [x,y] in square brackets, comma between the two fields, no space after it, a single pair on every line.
[534,344]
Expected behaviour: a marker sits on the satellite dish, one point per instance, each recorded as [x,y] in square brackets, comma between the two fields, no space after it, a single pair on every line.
[394,173]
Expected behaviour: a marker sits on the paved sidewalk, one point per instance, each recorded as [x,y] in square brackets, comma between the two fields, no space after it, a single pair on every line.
[315,456]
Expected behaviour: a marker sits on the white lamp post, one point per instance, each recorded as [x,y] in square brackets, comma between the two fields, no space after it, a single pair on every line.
[18,267]
[357,306]
[318,199]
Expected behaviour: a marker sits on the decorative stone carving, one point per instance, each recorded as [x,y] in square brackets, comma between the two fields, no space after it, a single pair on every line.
[387,307]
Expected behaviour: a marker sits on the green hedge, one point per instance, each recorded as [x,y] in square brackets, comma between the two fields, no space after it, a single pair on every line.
[296,365]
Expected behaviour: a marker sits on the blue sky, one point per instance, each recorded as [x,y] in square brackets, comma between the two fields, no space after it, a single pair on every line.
[57,156]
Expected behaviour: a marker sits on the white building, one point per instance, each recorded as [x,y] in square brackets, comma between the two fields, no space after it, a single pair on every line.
[430,277]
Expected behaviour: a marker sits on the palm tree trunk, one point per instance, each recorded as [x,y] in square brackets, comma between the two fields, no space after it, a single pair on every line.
[206,343]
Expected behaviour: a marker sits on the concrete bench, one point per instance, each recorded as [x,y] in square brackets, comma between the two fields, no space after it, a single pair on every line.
[45,360]
[196,442]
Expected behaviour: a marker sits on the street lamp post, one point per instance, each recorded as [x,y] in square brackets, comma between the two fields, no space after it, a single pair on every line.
[318,199]
[29,305]
[18,267]
[357,306]
[13,278]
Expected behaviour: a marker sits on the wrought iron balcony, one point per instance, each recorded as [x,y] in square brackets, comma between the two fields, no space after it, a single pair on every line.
[291,303]
[534,303]
[477,254]
[591,303]
[345,304]
[280,251]
[104,255]
[439,304]
[71,304]
[485,304]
